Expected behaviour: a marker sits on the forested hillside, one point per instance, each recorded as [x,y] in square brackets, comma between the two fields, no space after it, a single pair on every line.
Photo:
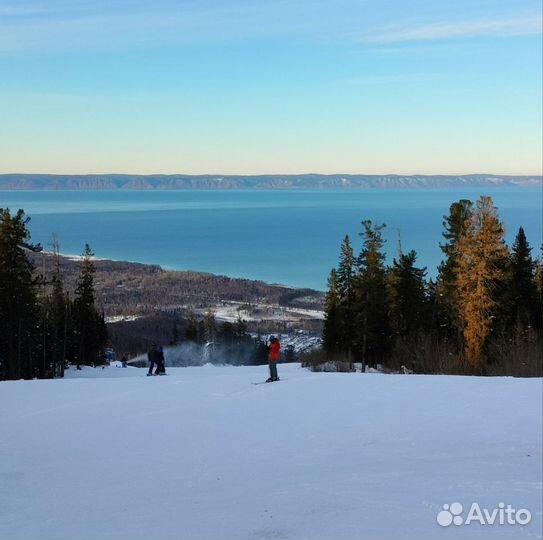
[125,288]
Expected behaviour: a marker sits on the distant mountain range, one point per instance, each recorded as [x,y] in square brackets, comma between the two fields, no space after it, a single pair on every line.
[269,181]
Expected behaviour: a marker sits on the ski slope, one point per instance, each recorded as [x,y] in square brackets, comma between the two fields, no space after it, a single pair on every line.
[203,454]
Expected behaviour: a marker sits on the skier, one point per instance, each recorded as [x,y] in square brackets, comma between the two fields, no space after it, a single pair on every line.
[153,357]
[124,359]
[274,347]
[161,362]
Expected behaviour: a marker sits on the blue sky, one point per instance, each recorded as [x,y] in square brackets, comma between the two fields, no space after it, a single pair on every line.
[216,86]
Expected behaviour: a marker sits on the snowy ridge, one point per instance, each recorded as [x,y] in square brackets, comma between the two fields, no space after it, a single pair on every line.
[203,454]
[14,181]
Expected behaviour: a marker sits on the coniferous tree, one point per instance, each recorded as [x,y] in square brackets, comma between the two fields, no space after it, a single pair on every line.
[44,342]
[407,296]
[58,316]
[522,288]
[345,270]
[538,278]
[446,287]
[210,327]
[480,252]
[344,277]
[175,332]
[227,333]
[370,298]
[18,303]
[191,332]
[332,331]
[201,332]
[90,332]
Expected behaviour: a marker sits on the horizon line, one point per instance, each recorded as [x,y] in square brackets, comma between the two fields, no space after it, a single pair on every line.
[539,174]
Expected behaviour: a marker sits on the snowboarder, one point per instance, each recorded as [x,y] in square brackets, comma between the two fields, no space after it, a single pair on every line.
[274,348]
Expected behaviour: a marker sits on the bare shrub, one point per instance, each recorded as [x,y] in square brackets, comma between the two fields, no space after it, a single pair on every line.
[521,356]
[425,354]
[319,360]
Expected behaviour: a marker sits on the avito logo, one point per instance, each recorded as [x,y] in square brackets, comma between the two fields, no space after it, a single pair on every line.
[452,514]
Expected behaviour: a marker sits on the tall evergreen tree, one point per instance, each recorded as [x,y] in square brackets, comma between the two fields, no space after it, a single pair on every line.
[210,326]
[407,296]
[191,332]
[522,289]
[175,331]
[345,270]
[18,303]
[332,331]
[538,278]
[58,311]
[344,277]
[480,252]
[370,298]
[44,330]
[89,326]
[454,226]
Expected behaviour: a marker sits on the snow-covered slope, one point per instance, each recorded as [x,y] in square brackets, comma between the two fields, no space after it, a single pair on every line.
[203,454]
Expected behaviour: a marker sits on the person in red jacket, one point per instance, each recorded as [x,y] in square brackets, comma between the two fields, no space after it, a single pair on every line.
[274,348]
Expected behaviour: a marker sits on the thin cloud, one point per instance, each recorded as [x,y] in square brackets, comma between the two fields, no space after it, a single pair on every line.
[131,22]
[439,31]
[67,25]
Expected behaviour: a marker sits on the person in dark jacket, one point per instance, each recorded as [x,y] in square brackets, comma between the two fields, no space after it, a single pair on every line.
[274,353]
[161,362]
[153,357]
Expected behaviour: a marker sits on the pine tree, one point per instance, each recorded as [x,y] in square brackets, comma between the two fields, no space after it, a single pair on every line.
[344,286]
[227,333]
[446,288]
[538,278]
[332,331]
[522,289]
[210,328]
[58,315]
[370,299]
[480,251]
[407,296]
[18,303]
[344,277]
[191,332]
[44,342]
[175,332]
[89,325]
[345,270]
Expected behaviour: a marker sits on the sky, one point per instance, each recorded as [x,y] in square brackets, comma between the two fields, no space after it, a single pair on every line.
[271,86]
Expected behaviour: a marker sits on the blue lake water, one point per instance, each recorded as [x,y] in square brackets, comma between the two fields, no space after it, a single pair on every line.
[288,237]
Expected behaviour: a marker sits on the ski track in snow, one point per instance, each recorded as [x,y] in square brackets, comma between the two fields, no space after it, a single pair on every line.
[203,454]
